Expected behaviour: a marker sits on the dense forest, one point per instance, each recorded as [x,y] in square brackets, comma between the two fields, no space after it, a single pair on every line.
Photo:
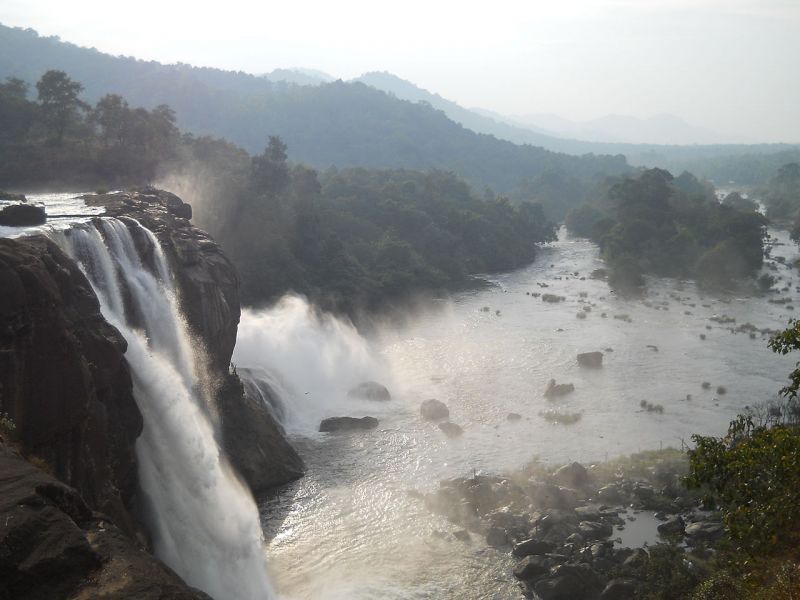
[675,227]
[349,239]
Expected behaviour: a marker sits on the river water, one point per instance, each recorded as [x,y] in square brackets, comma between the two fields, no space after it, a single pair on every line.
[350,528]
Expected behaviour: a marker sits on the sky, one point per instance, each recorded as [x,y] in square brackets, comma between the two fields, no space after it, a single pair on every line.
[731,66]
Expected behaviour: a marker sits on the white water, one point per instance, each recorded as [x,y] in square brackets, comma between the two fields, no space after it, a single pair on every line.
[203,520]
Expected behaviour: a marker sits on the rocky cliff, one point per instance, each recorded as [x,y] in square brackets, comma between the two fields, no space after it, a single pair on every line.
[66,386]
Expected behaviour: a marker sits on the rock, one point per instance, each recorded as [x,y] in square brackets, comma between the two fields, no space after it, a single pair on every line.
[64,380]
[433,410]
[513,417]
[496,537]
[52,545]
[22,215]
[556,390]
[620,589]
[569,582]
[462,535]
[253,440]
[610,493]
[574,475]
[595,530]
[704,531]
[370,390]
[672,527]
[9,196]
[593,360]
[532,546]
[451,429]
[532,568]
[333,424]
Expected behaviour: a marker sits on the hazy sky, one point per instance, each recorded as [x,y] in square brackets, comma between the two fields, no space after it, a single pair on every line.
[729,65]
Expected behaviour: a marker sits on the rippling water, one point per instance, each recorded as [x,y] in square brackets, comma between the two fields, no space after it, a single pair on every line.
[349,529]
[62,210]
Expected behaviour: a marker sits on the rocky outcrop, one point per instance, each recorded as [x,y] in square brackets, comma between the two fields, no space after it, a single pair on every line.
[433,410]
[370,390]
[334,424]
[52,545]
[63,378]
[253,441]
[22,215]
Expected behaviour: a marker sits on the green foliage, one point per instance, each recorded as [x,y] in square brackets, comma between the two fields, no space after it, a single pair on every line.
[672,227]
[665,573]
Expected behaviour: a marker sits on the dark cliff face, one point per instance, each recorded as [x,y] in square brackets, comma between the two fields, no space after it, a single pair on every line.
[63,378]
[52,545]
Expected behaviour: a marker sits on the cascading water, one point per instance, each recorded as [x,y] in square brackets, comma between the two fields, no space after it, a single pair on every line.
[204,522]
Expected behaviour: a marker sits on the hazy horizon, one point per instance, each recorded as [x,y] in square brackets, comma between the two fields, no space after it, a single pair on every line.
[729,67]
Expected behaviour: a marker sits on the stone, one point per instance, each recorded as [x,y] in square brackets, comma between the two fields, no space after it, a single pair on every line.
[513,417]
[672,527]
[592,360]
[496,537]
[574,475]
[531,568]
[531,547]
[433,410]
[334,424]
[704,531]
[370,390]
[22,215]
[451,429]
[569,582]
[595,530]
[12,197]
[556,390]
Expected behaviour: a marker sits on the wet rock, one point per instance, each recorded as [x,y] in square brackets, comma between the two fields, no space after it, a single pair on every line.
[451,429]
[672,527]
[574,475]
[334,424]
[592,360]
[370,390]
[569,582]
[497,537]
[531,547]
[620,589]
[595,530]
[462,535]
[556,390]
[433,410]
[9,196]
[610,493]
[532,568]
[22,215]
[704,531]
[552,298]
[513,417]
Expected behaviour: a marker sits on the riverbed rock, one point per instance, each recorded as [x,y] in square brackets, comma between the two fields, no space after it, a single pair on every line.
[22,215]
[12,197]
[532,567]
[451,429]
[433,410]
[574,475]
[704,531]
[334,424]
[370,390]
[674,526]
[532,547]
[557,390]
[513,417]
[595,530]
[620,588]
[569,582]
[592,360]
[497,537]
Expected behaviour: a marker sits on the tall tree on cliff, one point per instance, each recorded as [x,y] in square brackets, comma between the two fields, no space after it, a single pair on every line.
[59,103]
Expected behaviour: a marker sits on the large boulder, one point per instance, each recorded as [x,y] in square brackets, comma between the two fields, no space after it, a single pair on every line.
[592,360]
[532,568]
[433,410]
[574,475]
[334,424]
[620,589]
[569,582]
[22,215]
[10,196]
[704,531]
[370,390]
[52,545]
[451,430]
[532,547]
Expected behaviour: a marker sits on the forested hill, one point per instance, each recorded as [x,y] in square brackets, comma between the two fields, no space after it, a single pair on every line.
[336,124]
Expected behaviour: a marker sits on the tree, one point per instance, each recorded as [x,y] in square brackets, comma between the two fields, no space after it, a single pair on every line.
[59,103]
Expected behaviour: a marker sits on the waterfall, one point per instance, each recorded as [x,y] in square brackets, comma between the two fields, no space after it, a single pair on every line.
[204,521]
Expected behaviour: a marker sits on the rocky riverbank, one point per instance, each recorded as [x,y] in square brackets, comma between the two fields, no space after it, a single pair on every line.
[563,525]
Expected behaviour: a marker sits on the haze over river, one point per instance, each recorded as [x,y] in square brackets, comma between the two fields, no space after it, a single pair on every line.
[350,529]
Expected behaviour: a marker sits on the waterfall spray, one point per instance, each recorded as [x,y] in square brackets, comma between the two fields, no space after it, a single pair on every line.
[204,522]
